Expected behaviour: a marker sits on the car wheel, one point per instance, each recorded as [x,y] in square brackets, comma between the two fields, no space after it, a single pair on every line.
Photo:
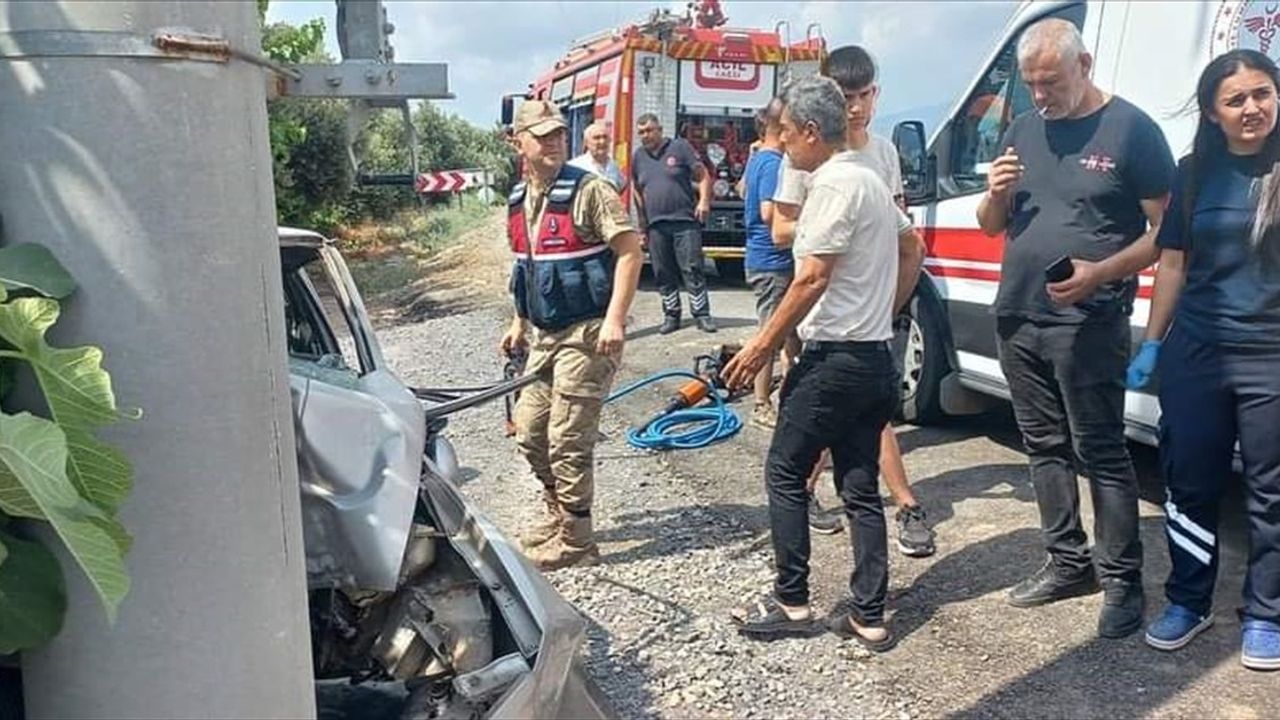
[920,344]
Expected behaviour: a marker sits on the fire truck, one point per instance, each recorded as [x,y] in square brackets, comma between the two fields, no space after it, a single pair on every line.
[703,80]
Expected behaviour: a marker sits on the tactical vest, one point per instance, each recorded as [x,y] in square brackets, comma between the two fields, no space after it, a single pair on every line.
[559,278]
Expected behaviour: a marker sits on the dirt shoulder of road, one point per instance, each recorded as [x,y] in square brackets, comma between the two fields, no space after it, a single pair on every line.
[471,271]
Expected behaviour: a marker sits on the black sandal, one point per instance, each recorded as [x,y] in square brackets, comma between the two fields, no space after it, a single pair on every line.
[766,620]
[842,625]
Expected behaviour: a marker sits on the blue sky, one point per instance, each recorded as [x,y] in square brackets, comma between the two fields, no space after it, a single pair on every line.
[927,51]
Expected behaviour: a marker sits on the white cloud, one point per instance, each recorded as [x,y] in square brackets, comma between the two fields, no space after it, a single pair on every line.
[927,51]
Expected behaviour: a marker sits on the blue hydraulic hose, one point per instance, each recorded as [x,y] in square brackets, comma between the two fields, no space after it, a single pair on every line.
[711,424]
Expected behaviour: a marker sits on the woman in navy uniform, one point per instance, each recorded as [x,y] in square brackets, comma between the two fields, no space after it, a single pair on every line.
[1218,286]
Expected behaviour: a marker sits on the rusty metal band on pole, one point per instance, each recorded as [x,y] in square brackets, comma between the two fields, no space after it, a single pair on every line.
[165,44]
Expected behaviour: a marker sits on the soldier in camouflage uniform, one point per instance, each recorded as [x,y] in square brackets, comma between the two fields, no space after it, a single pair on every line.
[577,263]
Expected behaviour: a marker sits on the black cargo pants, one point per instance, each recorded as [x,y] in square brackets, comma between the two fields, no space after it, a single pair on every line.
[1067,387]
[675,249]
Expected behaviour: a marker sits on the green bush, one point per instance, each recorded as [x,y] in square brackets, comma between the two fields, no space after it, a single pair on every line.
[390,255]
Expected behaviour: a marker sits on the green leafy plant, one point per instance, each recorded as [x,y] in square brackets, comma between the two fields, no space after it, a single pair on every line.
[53,467]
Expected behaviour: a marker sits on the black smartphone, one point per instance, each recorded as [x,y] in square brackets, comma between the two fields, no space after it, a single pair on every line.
[1060,270]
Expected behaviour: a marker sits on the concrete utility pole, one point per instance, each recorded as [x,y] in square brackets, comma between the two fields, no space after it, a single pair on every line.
[137,151]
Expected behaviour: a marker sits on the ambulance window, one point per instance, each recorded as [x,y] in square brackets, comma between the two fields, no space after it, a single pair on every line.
[998,99]
[982,121]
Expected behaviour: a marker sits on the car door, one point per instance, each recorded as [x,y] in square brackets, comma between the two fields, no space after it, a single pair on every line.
[360,432]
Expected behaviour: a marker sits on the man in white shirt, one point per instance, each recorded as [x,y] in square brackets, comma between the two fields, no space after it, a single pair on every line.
[597,140]
[845,386]
[855,72]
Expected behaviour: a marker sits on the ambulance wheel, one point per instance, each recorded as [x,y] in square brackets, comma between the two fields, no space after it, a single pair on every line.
[919,342]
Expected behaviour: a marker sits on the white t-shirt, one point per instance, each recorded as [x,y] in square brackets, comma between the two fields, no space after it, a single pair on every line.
[608,171]
[878,155]
[848,212]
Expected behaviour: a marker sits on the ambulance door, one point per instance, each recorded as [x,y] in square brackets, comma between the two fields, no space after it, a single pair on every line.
[1152,55]
[944,186]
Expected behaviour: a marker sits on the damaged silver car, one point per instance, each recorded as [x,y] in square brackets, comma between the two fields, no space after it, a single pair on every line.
[409,583]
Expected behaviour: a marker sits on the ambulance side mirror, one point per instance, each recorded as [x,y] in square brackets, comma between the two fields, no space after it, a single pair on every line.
[919,169]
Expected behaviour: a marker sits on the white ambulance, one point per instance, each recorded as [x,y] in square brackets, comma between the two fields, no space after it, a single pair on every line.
[1151,54]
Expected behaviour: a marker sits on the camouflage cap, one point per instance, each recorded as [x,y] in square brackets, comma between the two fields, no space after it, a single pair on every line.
[539,117]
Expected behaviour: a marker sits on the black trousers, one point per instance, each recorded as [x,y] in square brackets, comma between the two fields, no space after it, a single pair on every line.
[1210,397]
[841,398]
[1067,386]
[675,249]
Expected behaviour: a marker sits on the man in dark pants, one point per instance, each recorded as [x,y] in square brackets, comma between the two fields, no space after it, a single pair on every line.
[845,386]
[1085,176]
[663,171]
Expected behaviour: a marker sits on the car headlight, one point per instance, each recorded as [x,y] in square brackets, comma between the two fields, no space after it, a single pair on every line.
[720,188]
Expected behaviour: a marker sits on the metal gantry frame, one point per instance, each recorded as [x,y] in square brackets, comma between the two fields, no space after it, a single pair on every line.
[369,78]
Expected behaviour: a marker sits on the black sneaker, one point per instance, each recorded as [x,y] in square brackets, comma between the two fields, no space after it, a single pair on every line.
[823,522]
[1122,606]
[670,324]
[1051,583]
[915,539]
[705,323]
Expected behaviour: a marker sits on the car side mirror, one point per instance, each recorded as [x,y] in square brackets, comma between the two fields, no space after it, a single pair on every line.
[919,174]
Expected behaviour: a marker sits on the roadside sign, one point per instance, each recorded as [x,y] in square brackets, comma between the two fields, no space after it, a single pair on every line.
[446,181]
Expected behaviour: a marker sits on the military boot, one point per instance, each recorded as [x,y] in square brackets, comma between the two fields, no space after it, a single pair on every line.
[548,527]
[574,547]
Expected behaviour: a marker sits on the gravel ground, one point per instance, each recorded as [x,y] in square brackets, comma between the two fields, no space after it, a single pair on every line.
[684,536]
[659,643]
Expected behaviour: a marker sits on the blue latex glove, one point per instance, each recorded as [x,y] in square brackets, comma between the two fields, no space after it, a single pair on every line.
[1143,365]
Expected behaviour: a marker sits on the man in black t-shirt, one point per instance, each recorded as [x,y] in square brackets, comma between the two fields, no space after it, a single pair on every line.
[663,172]
[1085,176]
